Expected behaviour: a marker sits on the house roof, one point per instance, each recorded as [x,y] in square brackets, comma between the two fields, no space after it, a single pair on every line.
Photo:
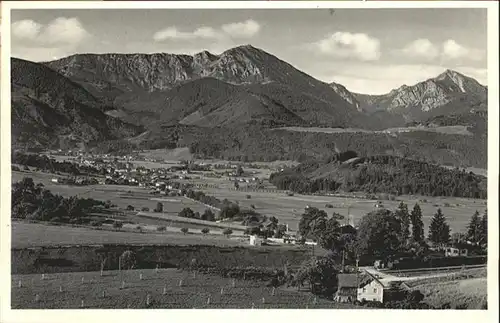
[356,280]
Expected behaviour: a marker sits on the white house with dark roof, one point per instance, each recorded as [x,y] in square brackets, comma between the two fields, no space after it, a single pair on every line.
[362,286]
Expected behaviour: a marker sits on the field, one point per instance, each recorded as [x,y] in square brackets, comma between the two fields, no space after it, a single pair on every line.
[469,292]
[287,209]
[455,130]
[162,286]
[120,195]
[25,235]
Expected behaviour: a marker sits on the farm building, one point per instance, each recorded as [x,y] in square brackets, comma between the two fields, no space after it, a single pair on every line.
[363,287]
[255,241]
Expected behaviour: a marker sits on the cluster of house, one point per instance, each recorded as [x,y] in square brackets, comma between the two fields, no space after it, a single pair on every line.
[75,180]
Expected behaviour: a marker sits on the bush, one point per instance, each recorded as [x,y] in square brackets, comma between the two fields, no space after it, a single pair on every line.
[249,197]
[128,259]
[186,213]
[96,223]
[185,230]
[161,228]
[329,206]
[117,224]
[205,230]
[227,232]
[145,209]
[159,207]
[130,208]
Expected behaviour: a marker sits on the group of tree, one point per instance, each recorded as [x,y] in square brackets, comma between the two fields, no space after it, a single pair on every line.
[187,212]
[203,198]
[380,174]
[45,163]
[266,228]
[384,234]
[34,202]
[261,144]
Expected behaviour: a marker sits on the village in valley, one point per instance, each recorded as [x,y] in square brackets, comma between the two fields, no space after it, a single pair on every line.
[226,158]
[138,200]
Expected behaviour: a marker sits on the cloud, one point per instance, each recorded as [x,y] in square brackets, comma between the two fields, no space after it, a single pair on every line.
[453,50]
[174,34]
[246,29]
[450,50]
[349,45]
[61,30]
[421,48]
[26,29]
[64,30]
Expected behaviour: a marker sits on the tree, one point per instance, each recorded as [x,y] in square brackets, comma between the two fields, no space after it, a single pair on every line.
[417,224]
[187,213]
[439,230]
[205,230]
[239,170]
[128,259]
[185,230]
[313,221]
[227,232]
[483,232]
[378,234]
[320,272]
[159,207]
[474,228]
[330,236]
[229,211]
[208,215]
[404,217]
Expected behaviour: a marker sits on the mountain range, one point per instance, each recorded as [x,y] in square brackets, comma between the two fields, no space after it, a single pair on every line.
[95,97]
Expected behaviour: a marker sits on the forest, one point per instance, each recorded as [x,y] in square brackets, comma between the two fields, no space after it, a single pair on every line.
[380,174]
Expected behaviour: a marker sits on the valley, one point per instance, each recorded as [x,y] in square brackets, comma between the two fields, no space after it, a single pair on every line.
[237,176]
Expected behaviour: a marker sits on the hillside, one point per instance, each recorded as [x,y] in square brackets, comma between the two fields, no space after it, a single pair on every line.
[142,83]
[448,93]
[229,105]
[376,174]
[50,110]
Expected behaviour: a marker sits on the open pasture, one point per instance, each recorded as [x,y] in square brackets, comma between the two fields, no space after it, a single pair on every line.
[67,290]
[120,195]
[288,209]
[470,292]
[26,235]
[455,130]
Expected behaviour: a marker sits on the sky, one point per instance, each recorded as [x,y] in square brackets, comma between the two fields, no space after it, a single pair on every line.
[368,51]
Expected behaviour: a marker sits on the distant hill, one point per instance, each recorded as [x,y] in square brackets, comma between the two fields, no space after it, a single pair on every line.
[448,93]
[51,110]
[141,83]
[380,174]
[229,106]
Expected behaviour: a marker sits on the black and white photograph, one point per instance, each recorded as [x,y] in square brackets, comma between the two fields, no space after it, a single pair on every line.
[199,157]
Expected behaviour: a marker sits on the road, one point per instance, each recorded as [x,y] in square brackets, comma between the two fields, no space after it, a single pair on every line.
[388,278]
